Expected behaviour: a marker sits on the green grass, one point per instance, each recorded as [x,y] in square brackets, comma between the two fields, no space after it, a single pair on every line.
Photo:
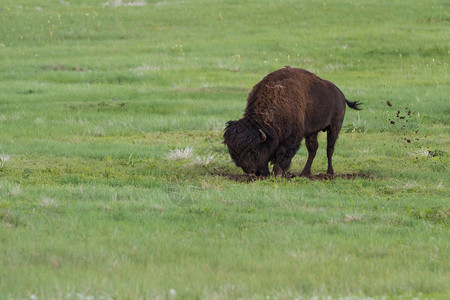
[94,97]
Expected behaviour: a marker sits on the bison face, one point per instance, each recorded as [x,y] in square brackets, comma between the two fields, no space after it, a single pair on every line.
[248,147]
[255,161]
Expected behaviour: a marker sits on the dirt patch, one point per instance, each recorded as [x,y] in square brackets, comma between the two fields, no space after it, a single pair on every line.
[59,67]
[350,176]
[250,178]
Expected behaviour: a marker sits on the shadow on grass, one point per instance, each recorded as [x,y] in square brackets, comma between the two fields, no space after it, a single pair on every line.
[250,177]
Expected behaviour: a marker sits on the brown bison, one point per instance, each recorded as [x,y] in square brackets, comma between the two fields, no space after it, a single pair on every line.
[286,106]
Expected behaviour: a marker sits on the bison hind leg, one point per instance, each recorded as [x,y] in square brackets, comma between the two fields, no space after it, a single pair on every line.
[332,135]
[311,145]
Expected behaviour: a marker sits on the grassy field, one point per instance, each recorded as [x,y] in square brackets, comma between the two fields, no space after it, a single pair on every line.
[112,168]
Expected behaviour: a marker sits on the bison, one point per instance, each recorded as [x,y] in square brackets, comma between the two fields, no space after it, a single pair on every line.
[286,106]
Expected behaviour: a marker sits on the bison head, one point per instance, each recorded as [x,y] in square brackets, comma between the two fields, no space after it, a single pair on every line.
[250,147]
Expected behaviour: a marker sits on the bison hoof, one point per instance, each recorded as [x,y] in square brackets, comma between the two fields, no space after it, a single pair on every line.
[277,171]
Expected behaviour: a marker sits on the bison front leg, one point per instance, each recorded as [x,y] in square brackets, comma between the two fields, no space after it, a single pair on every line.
[263,171]
[280,161]
[283,158]
[277,170]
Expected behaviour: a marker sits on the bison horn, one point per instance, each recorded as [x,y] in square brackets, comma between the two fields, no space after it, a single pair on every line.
[263,135]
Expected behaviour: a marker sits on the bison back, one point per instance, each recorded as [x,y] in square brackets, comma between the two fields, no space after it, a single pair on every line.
[294,101]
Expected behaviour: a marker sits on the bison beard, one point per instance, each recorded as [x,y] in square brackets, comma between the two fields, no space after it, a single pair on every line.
[286,106]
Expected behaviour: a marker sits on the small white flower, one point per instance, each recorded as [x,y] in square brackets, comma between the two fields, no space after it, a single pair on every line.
[172,294]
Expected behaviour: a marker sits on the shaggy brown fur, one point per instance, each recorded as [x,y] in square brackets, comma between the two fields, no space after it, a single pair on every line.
[286,106]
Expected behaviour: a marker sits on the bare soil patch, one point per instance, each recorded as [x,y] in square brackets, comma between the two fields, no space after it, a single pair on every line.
[60,67]
[250,178]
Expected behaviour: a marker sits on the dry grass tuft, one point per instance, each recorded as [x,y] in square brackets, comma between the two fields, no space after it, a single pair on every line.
[180,154]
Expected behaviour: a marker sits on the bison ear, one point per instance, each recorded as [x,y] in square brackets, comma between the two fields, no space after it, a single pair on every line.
[229,124]
[262,135]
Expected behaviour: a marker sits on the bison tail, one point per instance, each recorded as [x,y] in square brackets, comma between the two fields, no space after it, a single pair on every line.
[354,104]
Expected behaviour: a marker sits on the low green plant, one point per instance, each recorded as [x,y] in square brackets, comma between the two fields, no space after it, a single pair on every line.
[357,125]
